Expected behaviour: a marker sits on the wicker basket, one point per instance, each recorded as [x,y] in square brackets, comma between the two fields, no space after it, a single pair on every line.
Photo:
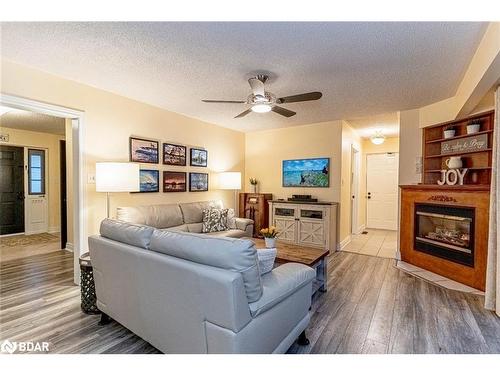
[87,286]
[266,259]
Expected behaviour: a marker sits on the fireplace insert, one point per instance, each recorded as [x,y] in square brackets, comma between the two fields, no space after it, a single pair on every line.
[446,232]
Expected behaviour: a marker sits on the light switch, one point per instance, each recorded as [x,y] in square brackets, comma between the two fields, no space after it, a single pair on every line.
[91,178]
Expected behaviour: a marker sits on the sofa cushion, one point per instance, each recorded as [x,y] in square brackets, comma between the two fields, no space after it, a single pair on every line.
[158,215]
[214,220]
[131,234]
[193,212]
[194,227]
[178,228]
[232,233]
[227,253]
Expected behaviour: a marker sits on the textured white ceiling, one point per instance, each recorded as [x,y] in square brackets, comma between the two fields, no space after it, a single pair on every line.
[362,68]
[35,122]
[387,124]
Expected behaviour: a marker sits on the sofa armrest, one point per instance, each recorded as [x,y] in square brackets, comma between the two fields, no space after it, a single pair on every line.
[280,283]
[245,225]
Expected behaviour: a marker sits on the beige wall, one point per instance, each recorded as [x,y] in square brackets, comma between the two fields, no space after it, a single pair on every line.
[69,181]
[49,142]
[410,147]
[110,120]
[350,139]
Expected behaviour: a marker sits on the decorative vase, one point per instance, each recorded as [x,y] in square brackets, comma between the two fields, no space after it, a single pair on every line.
[454,162]
[270,242]
[473,128]
[449,133]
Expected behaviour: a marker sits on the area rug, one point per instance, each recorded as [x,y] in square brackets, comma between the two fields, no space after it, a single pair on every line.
[31,239]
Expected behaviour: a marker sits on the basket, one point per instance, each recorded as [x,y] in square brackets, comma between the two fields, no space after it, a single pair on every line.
[87,286]
[266,259]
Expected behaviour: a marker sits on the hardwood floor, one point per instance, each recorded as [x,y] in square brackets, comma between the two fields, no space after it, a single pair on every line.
[370,307]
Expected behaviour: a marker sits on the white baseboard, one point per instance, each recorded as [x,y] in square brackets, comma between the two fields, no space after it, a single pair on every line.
[344,242]
[11,234]
[361,228]
[69,247]
[54,230]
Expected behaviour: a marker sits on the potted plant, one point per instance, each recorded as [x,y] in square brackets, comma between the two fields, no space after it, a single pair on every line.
[269,236]
[254,182]
[473,126]
[449,131]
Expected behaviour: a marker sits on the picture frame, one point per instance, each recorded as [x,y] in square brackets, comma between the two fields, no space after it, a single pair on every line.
[143,150]
[198,181]
[149,181]
[174,154]
[174,182]
[312,172]
[198,157]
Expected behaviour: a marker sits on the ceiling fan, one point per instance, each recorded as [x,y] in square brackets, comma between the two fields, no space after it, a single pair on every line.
[263,101]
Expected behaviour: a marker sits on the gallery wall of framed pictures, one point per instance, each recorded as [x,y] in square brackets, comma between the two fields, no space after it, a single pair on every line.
[143,150]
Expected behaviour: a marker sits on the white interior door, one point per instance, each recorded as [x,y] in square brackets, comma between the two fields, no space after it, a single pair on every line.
[354,190]
[382,191]
[36,204]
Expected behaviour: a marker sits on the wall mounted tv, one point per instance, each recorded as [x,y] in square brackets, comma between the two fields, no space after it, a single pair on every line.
[306,172]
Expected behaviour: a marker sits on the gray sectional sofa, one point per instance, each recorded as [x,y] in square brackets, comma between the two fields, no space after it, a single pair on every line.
[184,217]
[193,293]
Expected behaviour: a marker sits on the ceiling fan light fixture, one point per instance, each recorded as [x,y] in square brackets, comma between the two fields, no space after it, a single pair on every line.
[261,108]
[378,138]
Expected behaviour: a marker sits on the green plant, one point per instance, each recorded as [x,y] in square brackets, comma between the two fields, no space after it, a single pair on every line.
[253,181]
[449,127]
[474,122]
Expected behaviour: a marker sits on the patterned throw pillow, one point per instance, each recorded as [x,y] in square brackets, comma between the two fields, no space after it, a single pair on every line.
[214,220]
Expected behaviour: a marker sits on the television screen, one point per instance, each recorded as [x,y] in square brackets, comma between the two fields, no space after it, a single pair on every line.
[306,172]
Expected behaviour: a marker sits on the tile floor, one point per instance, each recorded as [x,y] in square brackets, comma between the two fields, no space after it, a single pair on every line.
[378,242]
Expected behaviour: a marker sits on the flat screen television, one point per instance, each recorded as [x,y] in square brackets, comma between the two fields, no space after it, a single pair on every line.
[306,172]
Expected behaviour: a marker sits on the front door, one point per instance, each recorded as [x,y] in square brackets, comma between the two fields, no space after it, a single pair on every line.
[382,191]
[11,189]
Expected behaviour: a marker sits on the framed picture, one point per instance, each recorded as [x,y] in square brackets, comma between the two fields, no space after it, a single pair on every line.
[306,172]
[144,150]
[174,154]
[198,157]
[174,181]
[149,181]
[198,181]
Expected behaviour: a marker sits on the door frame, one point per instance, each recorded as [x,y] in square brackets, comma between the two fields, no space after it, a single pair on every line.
[366,183]
[77,124]
[354,188]
[15,145]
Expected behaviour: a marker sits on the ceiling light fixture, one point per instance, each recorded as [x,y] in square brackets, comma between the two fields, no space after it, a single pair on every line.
[378,138]
[261,108]
[4,109]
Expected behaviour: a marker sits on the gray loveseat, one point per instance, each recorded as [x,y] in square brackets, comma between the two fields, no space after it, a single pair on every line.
[184,217]
[192,293]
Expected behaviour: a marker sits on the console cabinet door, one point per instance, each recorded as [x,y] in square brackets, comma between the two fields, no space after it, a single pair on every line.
[311,232]
[287,228]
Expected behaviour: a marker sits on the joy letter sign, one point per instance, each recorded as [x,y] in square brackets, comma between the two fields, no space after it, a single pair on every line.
[452,176]
[468,144]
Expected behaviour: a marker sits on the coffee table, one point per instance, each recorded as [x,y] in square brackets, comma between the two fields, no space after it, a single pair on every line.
[310,256]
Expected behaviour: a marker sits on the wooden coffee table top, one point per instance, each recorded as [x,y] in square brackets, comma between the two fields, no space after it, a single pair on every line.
[287,252]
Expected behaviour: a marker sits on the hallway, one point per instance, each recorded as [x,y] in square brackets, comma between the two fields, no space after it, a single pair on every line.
[377,242]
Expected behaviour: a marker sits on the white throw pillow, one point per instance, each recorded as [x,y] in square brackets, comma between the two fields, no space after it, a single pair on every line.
[231,219]
[214,220]
[266,259]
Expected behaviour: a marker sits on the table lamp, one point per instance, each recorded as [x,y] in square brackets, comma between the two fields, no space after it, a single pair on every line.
[116,178]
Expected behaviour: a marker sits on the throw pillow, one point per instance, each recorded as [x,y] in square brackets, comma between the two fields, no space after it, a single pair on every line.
[231,219]
[214,220]
[266,259]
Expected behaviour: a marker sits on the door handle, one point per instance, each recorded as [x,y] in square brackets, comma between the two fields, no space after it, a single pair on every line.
[20,195]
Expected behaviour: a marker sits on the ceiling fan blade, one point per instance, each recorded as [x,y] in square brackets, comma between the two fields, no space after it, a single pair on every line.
[300,97]
[243,114]
[257,86]
[283,111]
[223,101]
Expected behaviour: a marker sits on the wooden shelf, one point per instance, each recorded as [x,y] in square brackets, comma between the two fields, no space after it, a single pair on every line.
[458,153]
[469,168]
[471,187]
[459,136]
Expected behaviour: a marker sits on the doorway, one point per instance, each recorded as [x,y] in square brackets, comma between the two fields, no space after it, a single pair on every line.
[382,190]
[11,190]
[355,171]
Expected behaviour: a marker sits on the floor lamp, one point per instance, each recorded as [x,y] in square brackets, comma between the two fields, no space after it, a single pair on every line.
[116,178]
[231,181]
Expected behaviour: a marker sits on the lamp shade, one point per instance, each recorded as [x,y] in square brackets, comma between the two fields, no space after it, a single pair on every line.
[116,177]
[230,180]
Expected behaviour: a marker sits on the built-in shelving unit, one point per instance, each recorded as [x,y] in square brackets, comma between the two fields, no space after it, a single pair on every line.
[478,162]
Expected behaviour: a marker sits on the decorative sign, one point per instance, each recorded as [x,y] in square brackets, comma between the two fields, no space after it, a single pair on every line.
[4,137]
[468,144]
[441,198]
[452,176]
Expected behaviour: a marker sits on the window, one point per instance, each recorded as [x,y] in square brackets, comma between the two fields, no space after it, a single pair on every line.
[36,172]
